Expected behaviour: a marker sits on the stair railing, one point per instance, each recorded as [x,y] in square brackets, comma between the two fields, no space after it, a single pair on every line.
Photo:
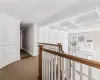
[54,47]
[50,65]
[78,72]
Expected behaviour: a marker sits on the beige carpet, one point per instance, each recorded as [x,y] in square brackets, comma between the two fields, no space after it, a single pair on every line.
[26,69]
[24,54]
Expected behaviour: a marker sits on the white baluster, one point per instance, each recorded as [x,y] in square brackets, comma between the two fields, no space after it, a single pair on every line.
[47,68]
[46,72]
[99,74]
[89,73]
[58,68]
[48,63]
[51,67]
[68,69]
[55,67]
[73,76]
[44,67]
[81,71]
[61,63]
[62,68]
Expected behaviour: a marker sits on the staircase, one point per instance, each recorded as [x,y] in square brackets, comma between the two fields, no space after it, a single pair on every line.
[54,64]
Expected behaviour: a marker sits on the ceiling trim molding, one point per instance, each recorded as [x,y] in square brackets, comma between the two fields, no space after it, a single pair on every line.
[64,19]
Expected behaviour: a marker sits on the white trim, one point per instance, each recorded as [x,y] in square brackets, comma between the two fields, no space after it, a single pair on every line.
[31,53]
[36,37]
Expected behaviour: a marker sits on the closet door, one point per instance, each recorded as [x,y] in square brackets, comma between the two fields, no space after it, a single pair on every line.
[2,31]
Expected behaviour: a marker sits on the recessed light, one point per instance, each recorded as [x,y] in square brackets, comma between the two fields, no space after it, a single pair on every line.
[13,10]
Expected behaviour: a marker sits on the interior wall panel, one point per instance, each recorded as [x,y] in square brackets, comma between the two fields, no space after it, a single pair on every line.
[2,57]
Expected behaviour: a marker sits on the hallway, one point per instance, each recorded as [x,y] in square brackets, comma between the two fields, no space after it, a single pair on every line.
[26,69]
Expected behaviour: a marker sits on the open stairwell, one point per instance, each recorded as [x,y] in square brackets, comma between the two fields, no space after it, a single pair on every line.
[54,64]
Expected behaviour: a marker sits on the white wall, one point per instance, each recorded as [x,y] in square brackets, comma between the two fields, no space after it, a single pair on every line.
[65,42]
[9,39]
[36,37]
[53,36]
[48,35]
[94,35]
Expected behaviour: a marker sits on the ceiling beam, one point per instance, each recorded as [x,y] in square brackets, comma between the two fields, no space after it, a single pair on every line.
[74,23]
[97,10]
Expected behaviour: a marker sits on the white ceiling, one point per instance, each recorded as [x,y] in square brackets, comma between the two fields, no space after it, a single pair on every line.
[42,12]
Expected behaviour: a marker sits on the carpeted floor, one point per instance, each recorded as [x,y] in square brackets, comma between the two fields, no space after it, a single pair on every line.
[24,54]
[25,69]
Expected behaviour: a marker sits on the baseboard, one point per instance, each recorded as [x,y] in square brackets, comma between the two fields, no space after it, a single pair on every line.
[31,53]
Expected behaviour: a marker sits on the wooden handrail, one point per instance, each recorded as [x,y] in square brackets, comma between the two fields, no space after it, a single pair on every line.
[48,44]
[74,58]
[59,45]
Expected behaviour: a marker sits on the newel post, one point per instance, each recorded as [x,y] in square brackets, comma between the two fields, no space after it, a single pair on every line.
[40,61]
[59,47]
[59,50]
